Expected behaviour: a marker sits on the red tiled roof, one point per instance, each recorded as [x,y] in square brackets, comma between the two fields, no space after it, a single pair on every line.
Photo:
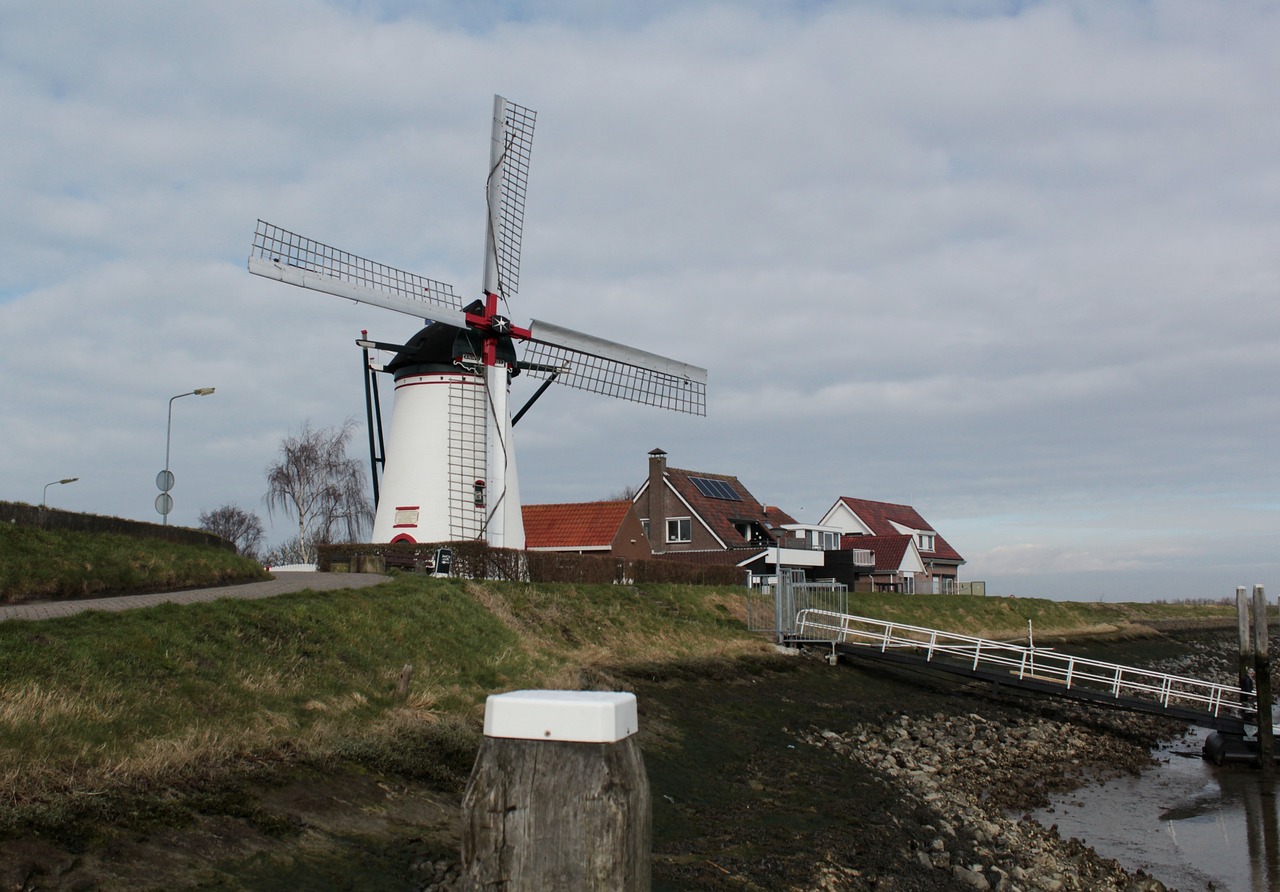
[888,550]
[573,525]
[881,516]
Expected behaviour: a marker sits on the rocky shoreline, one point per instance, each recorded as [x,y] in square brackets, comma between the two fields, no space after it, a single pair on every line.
[962,777]
[936,795]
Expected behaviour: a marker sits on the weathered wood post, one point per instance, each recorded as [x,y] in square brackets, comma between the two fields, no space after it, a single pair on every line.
[559,797]
[1246,636]
[1262,664]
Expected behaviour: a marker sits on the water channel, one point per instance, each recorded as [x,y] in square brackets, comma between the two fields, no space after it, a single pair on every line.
[1188,823]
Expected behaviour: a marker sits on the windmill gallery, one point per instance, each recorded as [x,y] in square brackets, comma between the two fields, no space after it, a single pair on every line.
[450,466]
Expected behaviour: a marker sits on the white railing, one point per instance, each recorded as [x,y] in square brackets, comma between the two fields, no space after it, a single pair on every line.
[1021,662]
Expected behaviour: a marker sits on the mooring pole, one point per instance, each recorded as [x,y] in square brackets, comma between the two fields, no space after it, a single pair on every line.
[558,798]
[1246,636]
[1262,668]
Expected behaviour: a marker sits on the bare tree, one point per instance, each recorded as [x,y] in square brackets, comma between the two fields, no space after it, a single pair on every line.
[285,553]
[626,494]
[235,525]
[315,481]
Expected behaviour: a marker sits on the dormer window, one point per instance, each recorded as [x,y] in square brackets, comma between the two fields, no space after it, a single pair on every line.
[926,541]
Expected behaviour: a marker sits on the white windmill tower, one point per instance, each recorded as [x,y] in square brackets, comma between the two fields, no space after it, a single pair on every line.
[450,470]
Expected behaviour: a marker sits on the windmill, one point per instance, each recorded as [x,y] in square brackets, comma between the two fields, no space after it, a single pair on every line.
[450,470]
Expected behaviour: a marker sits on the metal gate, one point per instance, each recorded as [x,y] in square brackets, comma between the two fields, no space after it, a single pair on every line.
[774,601]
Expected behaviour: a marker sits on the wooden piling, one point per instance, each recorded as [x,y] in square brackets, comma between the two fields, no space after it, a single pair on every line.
[559,797]
[1262,668]
[1246,636]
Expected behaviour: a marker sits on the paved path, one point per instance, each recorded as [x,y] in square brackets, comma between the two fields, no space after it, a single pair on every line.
[285,581]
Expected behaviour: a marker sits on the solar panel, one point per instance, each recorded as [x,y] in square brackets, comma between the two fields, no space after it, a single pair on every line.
[715,489]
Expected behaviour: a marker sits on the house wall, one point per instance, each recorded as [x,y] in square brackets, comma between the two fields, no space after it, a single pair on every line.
[630,541]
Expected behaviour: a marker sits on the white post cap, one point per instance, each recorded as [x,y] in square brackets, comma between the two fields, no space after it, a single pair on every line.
[578,716]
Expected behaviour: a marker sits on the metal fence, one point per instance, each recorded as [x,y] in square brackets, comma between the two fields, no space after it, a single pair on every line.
[773,602]
[1026,662]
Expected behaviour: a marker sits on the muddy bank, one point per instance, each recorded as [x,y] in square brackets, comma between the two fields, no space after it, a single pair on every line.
[808,777]
[767,773]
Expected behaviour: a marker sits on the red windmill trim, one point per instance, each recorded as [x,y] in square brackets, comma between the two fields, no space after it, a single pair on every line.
[486,326]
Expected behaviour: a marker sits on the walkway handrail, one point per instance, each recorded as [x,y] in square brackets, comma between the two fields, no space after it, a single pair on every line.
[1033,663]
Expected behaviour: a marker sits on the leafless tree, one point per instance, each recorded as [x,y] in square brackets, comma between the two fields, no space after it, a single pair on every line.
[235,525]
[289,552]
[315,481]
[626,494]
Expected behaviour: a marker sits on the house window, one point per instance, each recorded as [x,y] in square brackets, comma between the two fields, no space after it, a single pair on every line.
[926,541]
[830,541]
[908,583]
[644,525]
[679,529]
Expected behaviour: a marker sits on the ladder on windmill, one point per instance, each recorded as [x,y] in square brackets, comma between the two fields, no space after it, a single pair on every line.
[1222,707]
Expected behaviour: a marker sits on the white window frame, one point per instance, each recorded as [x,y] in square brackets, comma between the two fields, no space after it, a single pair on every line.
[908,583]
[676,523]
[927,541]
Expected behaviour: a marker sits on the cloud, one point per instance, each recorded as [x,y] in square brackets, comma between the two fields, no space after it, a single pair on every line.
[1002,258]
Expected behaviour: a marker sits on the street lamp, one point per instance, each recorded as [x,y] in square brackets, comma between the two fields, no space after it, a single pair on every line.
[44,497]
[164,501]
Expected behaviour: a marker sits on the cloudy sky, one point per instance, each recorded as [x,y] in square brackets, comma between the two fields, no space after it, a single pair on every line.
[1013,263]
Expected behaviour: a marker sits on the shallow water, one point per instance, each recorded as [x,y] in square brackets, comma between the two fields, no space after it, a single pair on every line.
[1186,822]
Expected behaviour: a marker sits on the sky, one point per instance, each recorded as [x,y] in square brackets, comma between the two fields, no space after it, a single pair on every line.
[1012,263]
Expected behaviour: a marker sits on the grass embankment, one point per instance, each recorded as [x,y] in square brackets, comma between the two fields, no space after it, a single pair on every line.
[99,708]
[1007,618]
[40,564]
[147,715]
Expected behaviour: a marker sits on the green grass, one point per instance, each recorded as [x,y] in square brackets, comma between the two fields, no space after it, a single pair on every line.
[142,692]
[40,564]
[1008,617]
[100,707]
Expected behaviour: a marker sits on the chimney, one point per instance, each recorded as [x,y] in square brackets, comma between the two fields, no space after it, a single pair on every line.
[657,498]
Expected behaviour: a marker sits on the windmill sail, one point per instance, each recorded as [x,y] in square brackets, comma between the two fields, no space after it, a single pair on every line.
[509,154]
[599,366]
[289,257]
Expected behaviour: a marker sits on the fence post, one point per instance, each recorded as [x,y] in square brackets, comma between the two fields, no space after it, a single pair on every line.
[558,798]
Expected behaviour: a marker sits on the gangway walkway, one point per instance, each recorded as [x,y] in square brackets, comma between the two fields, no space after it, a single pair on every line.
[1221,707]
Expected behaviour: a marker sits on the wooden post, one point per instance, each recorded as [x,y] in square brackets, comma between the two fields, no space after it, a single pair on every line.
[559,797]
[1246,635]
[1262,664]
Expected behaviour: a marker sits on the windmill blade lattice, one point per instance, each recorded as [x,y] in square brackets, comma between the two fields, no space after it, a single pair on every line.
[280,254]
[512,164]
[599,366]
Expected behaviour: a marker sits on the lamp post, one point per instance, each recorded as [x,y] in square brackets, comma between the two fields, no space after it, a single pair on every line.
[44,497]
[164,501]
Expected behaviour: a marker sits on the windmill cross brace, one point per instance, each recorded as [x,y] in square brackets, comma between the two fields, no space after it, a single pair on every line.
[493,326]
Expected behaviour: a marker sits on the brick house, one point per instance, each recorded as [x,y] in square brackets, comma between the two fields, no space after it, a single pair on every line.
[707,518]
[696,511]
[910,556]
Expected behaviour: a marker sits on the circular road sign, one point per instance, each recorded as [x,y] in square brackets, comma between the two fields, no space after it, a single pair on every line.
[164,481]
[164,503]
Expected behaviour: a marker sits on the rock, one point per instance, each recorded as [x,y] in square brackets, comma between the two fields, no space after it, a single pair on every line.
[972,878]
